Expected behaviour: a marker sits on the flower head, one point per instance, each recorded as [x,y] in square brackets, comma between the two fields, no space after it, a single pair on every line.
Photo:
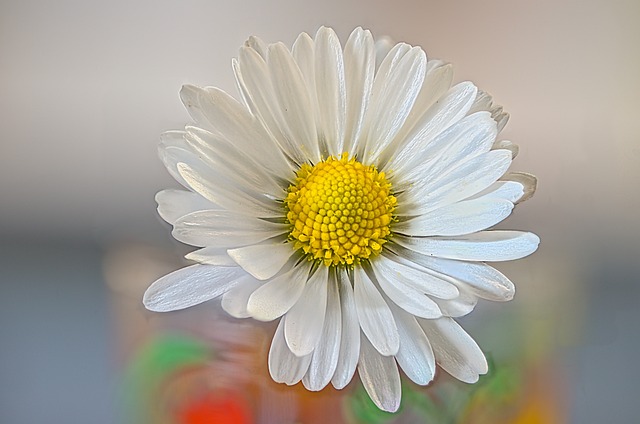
[348,193]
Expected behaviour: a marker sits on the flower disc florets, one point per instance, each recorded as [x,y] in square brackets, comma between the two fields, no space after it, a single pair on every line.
[340,211]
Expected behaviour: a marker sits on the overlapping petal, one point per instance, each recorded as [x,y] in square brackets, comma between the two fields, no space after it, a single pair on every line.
[305,321]
[330,88]
[275,297]
[349,334]
[359,68]
[374,315]
[325,356]
[223,229]
[379,376]
[415,355]
[174,204]
[395,89]
[284,366]
[456,352]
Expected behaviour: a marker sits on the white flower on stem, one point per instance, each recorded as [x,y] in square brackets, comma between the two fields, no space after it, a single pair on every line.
[348,193]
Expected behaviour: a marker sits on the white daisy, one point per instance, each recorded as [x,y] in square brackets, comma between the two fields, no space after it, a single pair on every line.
[348,194]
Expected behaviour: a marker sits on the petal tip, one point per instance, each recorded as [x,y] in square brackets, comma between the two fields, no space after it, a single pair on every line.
[535,241]
[152,301]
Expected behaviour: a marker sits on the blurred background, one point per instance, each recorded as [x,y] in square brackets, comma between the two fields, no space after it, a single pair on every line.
[86,87]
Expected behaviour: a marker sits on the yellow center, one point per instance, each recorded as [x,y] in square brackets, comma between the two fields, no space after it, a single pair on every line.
[340,211]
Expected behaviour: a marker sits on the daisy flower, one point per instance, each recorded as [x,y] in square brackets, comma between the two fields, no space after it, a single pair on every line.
[347,194]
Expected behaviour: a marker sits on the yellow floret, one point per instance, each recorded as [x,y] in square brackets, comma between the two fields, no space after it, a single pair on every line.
[340,211]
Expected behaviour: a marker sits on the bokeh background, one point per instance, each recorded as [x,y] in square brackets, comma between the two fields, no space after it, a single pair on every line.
[86,87]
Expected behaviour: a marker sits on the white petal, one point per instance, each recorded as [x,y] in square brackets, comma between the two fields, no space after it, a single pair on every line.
[189,94]
[482,102]
[278,295]
[172,157]
[482,279]
[392,98]
[484,246]
[303,52]
[460,306]
[401,273]
[389,63]
[172,138]
[374,315]
[190,286]
[349,335]
[224,229]
[224,114]
[405,296]
[243,167]
[174,204]
[469,137]
[448,110]
[415,355]
[528,181]
[383,46]
[215,188]
[173,150]
[284,366]
[359,68]
[254,75]
[234,302]
[244,95]
[211,256]
[325,355]
[457,219]
[305,320]
[471,177]
[437,81]
[380,377]
[263,261]
[456,352]
[257,44]
[330,90]
[232,120]
[390,59]
[296,118]
[247,101]
[507,190]
[501,122]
